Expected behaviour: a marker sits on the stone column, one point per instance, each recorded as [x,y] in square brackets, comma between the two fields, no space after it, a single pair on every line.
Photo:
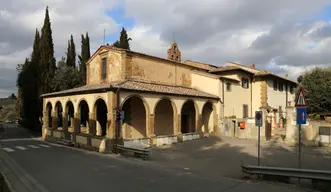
[92,124]
[199,124]
[45,124]
[216,128]
[45,119]
[54,120]
[65,122]
[110,125]
[150,132]
[290,129]
[75,124]
[178,128]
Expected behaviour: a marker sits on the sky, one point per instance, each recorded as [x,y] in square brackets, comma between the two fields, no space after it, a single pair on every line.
[284,36]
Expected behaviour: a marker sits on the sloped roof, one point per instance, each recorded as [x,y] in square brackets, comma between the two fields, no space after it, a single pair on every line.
[137,86]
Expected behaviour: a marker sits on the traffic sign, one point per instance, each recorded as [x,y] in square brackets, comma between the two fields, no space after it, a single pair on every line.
[122,115]
[300,101]
[301,115]
[258,118]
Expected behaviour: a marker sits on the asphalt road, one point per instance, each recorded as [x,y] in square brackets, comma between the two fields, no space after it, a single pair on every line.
[44,167]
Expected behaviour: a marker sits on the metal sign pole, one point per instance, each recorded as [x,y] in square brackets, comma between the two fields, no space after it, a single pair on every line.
[258,145]
[299,158]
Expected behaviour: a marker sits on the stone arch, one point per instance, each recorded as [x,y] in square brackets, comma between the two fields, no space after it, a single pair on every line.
[135,123]
[58,113]
[165,113]
[69,112]
[208,111]
[49,109]
[189,115]
[83,110]
[100,110]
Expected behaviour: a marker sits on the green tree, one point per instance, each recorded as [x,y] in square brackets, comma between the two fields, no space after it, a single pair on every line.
[316,85]
[123,42]
[84,57]
[47,62]
[28,82]
[61,81]
[71,53]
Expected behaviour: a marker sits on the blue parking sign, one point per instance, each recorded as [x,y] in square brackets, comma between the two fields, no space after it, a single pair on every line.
[301,116]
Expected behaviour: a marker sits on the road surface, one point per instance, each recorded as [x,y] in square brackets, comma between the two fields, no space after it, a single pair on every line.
[45,167]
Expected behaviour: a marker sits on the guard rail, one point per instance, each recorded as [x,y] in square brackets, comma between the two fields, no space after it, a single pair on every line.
[314,175]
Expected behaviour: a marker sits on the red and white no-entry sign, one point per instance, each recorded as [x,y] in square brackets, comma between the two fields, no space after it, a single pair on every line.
[258,118]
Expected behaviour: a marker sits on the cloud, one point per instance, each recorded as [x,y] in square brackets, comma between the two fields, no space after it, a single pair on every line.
[218,31]
[20,18]
[289,35]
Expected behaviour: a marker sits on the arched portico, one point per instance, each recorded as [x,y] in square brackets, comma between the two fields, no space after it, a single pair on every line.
[208,111]
[49,109]
[58,114]
[100,111]
[189,113]
[135,124]
[165,113]
[70,111]
[84,116]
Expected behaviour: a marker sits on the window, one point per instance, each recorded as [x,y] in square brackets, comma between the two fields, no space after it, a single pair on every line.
[291,89]
[245,111]
[228,86]
[281,86]
[104,69]
[275,85]
[244,83]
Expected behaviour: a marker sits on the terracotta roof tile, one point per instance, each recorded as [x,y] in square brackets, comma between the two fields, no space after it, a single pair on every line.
[159,88]
[138,86]
[265,72]
[200,65]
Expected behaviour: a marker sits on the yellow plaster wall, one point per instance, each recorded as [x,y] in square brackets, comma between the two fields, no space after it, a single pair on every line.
[76,99]
[115,70]
[159,71]
[276,98]
[237,97]
[207,83]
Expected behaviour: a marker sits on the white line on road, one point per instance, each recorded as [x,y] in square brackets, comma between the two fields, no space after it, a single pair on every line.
[44,145]
[21,139]
[33,146]
[8,149]
[20,147]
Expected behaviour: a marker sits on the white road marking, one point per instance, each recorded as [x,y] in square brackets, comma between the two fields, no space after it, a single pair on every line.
[44,145]
[8,149]
[20,147]
[22,139]
[33,146]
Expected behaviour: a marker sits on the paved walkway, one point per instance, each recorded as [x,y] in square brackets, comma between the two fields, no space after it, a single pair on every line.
[217,157]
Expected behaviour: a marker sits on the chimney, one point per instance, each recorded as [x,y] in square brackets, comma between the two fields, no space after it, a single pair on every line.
[252,66]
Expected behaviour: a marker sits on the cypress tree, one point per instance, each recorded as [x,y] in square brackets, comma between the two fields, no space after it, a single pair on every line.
[73,52]
[47,62]
[123,42]
[83,57]
[68,53]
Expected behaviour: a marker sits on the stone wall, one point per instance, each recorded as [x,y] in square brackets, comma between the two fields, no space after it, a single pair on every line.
[314,133]
[231,128]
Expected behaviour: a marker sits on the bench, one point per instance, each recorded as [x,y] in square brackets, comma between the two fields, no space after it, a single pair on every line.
[143,153]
